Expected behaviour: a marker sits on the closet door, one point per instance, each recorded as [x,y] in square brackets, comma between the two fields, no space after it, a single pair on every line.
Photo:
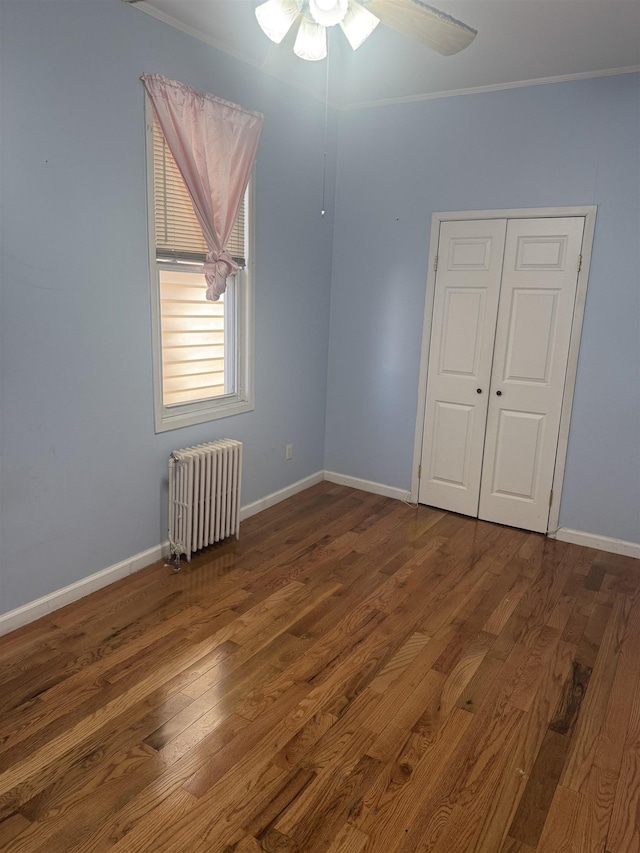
[533,332]
[467,289]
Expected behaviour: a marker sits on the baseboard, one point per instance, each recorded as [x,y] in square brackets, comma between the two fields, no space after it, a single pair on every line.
[47,604]
[367,486]
[281,495]
[55,600]
[602,543]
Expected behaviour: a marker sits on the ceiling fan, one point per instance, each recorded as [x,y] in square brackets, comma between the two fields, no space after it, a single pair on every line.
[357,21]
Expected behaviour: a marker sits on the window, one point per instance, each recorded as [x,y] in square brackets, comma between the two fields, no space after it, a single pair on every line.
[201,350]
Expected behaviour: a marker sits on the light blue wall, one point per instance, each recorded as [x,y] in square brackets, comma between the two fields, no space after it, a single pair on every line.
[554,145]
[82,471]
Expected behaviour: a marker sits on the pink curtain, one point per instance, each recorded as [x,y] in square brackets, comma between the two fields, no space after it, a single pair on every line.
[214,144]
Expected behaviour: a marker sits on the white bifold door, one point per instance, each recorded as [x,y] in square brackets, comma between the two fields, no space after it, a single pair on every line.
[503,309]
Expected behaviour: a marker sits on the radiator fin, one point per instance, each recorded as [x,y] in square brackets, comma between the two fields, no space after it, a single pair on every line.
[204,495]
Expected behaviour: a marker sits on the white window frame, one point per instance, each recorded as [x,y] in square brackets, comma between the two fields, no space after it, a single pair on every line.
[242,354]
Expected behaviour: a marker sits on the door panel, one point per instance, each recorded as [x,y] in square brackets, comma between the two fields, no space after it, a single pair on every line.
[541,253]
[533,333]
[461,335]
[519,435]
[531,336]
[452,442]
[466,297]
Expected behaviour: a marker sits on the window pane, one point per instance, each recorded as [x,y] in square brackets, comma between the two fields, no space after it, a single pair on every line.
[193,339]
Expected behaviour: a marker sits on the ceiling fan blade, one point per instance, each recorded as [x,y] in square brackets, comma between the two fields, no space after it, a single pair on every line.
[427,25]
[278,54]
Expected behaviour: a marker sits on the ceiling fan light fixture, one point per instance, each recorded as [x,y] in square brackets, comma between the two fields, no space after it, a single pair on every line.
[311,41]
[276,17]
[358,24]
[328,12]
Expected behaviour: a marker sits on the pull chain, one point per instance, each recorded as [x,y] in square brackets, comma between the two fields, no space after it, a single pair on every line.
[326,133]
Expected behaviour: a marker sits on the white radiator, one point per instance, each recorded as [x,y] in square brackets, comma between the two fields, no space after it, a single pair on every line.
[204,495]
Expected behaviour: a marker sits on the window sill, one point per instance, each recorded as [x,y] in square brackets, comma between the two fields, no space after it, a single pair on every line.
[168,419]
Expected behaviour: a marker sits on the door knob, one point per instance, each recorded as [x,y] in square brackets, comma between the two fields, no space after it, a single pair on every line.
[478,390]
[498,393]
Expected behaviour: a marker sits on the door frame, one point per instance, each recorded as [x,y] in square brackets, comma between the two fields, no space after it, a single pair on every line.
[589,214]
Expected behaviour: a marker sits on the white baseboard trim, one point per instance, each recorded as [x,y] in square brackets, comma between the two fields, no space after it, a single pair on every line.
[281,495]
[367,486]
[55,600]
[602,543]
[47,604]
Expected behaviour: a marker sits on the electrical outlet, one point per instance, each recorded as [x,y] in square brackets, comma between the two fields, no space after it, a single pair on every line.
[288,451]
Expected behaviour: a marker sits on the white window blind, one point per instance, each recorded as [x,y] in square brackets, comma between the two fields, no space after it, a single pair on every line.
[193,339]
[178,232]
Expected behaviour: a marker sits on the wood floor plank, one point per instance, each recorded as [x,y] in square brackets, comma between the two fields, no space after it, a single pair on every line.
[49,802]
[510,845]
[54,754]
[108,785]
[12,827]
[624,832]
[80,689]
[507,604]
[539,649]
[204,778]
[326,805]
[594,705]
[64,826]
[481,683]
[352,675]
[395,801]
[405,655]
[525,750]
[530,818]
[243,843]
[593,633]
[146,792]
[301,743]
[349,840]
[448,816]
[559,833]
[267,813]
[405,701]
[611,741]
[595,808]
[468,664]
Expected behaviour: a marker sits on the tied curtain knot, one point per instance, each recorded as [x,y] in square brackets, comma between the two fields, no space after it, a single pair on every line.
[218,266]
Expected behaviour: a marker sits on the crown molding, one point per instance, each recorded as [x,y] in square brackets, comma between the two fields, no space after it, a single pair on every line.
[495,87]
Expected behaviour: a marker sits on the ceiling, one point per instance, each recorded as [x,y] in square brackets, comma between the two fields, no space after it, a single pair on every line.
[518,42]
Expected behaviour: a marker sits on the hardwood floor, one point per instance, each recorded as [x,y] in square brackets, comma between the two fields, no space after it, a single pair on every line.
[353,676]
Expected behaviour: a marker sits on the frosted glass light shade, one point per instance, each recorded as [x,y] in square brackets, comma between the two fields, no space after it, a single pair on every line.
[311,41]
[276,17]
[358,24]
[328,12]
